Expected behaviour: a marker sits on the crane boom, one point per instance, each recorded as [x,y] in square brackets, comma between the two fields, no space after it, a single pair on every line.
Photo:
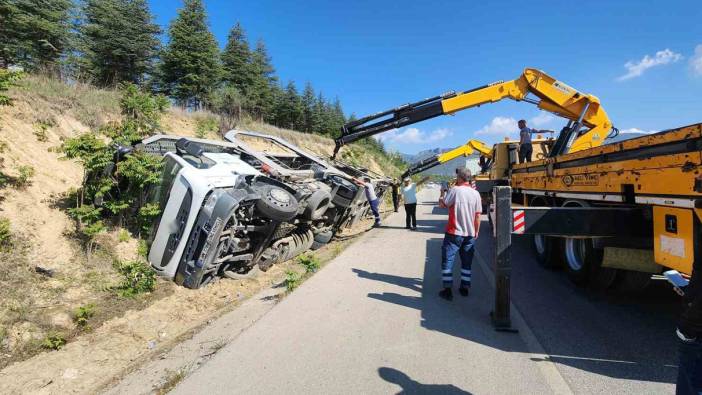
[588,122]
[465,150]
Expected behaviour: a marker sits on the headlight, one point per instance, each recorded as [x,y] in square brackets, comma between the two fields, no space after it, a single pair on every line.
[210,203]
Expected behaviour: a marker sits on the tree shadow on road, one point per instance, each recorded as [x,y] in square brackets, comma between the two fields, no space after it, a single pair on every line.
[410,386]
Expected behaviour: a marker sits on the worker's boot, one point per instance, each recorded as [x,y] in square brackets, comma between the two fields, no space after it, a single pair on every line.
[464,291]
[446,293]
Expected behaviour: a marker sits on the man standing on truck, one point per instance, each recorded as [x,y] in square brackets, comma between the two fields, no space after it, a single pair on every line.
[525,148]
[464,207]
[690,336]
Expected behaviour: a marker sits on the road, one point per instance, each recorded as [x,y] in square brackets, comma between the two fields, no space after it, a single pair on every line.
[602,342]
[371,322]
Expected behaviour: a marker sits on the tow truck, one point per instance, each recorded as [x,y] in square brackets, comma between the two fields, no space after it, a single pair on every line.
[611,214]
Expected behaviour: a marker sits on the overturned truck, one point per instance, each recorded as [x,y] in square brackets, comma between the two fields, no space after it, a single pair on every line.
[227,209]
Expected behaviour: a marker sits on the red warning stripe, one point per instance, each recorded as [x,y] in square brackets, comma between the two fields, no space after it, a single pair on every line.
[518,223]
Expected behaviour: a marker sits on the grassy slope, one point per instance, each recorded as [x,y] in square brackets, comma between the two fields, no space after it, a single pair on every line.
[31,305]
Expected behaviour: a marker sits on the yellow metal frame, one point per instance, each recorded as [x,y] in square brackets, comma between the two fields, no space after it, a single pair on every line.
[674,249]
[555,97]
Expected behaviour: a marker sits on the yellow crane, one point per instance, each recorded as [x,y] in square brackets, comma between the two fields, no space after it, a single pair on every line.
[588,123]
[465,150]
[611,214]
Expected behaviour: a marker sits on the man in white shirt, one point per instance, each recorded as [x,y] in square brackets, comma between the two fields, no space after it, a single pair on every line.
[464,206]
[409,195]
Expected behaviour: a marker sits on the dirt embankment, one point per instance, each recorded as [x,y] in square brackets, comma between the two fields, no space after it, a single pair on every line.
[45,273]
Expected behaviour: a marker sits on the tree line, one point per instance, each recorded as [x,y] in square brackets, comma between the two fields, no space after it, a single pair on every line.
[111,42]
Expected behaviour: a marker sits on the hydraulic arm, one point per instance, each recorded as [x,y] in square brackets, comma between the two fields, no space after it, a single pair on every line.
[465,150]
[588,122]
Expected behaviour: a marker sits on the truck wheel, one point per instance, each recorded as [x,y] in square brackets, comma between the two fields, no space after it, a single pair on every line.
[583,261]
[321,239]
[251,274]
[633,282]
[549,251]
[276,203]
[317,205]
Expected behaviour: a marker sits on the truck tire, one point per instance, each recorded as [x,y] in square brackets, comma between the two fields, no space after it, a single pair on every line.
[276,203]
[251,274]
[320,239]
[548,251]
[317,205]
[583,262]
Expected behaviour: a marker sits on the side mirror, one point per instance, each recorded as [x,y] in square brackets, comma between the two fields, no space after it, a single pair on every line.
[189,147]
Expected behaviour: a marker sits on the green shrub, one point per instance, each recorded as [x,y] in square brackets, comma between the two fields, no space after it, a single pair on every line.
[54,341]
[82,314]
[310,262]
[7,80]
[5,233]
[137,278]
[205,125]
[24,176]
[121,192]
[41,127]
[143,248]
[123,236]
[292,280]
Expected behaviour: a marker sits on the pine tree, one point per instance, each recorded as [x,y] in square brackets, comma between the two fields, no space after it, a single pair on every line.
[308,112]
[264,79]
[34,34]
[319,126]
[337,116]
[118,40]
[236,61]
[291,113]
[190,68]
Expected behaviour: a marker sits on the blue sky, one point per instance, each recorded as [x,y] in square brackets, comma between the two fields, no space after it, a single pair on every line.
[641,58]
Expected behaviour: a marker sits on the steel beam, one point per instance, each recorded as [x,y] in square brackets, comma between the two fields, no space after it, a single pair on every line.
[502,196]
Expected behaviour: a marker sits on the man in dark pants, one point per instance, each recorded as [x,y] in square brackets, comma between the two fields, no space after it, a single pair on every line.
[690,336]
[464,207]
[409,195]
[525,148]
[395,194]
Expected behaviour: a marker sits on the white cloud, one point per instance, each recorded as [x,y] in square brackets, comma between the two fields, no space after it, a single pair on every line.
[413,136]
[636,69]
[498,126]
[637,130]
[542,119]
[696,61]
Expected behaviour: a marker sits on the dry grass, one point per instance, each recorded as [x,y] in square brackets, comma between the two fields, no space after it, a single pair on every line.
[51,99]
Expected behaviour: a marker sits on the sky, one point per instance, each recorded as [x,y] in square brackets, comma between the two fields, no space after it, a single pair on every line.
[643,59]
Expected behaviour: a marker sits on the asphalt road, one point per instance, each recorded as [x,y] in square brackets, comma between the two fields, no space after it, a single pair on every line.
[602,342]
[370,322]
